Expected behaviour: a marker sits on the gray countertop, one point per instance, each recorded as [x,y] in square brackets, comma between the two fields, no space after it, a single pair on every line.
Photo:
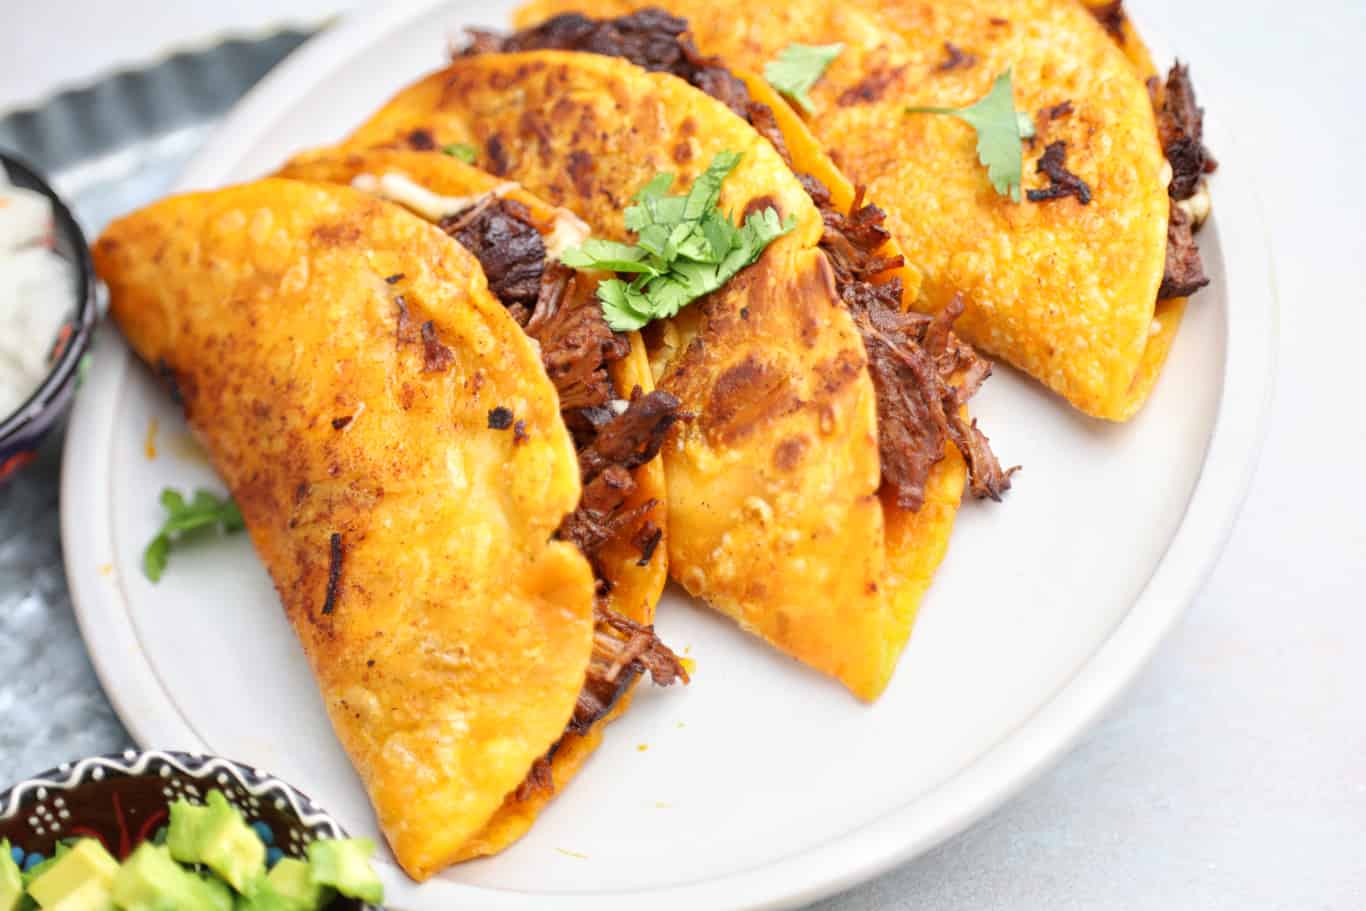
[1233,775]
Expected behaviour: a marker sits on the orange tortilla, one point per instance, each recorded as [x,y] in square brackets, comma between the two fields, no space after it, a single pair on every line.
[1065,292]
[774,515]
[272,305]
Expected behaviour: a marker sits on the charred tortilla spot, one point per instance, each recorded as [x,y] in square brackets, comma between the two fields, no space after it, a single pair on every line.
[519,434]
[499,164]
[745,396]
[956,59]
[500,418]
[688,127]
[789,453]
[436,357]
[342,422]
[394,279]
[682,152]
[581,172]
[403,330]
[336,234]
[335,555]
[870,88]
[421,140]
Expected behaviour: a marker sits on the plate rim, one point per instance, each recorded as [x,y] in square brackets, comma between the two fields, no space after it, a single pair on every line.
[845,859]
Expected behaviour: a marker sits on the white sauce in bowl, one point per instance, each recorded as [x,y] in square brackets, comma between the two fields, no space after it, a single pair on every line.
[36,292]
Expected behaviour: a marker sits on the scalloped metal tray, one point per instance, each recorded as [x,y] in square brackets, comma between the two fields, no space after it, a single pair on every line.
[108,148]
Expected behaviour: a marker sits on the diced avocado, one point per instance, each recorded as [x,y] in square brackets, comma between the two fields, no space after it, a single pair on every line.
[72,872]
[293,878]
[344,864]
[150,880]
[91,895]
[218,837]
[217,894]
[263,897]
[11,880]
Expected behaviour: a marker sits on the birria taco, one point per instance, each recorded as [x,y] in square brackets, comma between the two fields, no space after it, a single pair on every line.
[399,447]
[812,493]
[1083,282]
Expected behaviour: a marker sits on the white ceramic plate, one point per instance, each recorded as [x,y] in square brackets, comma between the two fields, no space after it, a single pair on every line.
[762,785]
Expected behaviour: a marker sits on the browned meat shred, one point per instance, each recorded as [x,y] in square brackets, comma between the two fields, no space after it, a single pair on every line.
[956,59]
[654,40]
[576,347]
[913,359]
[622,651]
[1064,183]
[1112,17]
[1181,129]
[539,780]
[1185,271]
[650,38]
[500,235]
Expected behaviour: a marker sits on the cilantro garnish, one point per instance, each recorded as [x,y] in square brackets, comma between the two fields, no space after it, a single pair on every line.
[183,519]
[685,248]
[797,69]
[462,150]
[1000,131]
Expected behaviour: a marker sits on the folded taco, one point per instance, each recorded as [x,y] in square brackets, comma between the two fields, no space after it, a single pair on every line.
[401,456]
[812,495]
[1083,282]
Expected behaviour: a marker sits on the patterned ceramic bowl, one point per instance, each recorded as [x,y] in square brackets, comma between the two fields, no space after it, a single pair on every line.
[22,431]
[123,799]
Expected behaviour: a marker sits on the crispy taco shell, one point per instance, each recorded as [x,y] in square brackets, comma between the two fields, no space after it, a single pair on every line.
[774,512]
[410,542]
[1064,291]
[634,589]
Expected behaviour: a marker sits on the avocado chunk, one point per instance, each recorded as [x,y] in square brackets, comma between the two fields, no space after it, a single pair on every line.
[217,893]
[150,880]
[11,880]
[79,879]
[344,864]
[216,836]
[293,879]
[91,895]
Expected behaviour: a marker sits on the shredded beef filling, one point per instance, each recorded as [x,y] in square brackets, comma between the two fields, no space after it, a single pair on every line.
[499,234]
[612,438]
[914,360]
[1180,127]
[650,38]
[1185,272]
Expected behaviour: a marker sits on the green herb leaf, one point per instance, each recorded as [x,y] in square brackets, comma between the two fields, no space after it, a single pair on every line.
[797,69]
[1000,131]
[204,510]
[685,248]
[462,150]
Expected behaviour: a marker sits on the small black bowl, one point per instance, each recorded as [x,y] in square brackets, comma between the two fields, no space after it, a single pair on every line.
[121,799]
[22,431]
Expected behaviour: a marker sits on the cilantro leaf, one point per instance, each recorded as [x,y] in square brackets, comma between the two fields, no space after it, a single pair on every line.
[204,510]
[1000,131]
[798,67]
[685,248]
[462,150]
